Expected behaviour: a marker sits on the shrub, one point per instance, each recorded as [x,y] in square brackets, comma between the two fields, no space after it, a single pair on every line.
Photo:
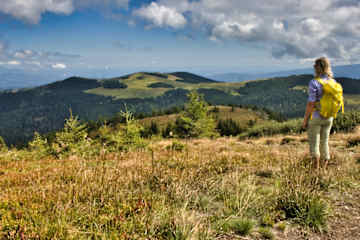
[152,129]
[266,233]
[300,199]
[160,85]
[306,209]
[241,227]
[159,75]
[171,231]
[355,141]
[229,127]
[346,122]
[176,146]
[113,84]
[272,128]
[316,215]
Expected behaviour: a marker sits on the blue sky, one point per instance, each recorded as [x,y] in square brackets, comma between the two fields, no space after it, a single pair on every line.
[103,38]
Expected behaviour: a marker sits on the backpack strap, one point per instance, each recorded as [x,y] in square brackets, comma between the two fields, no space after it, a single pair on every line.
[316,108]
[320,80]
[342,105]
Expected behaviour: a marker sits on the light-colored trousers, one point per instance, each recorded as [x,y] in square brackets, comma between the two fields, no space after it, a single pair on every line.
[318,134]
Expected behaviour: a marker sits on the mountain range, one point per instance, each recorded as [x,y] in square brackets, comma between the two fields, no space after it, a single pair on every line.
[349,71]
[16,78]
[43,109]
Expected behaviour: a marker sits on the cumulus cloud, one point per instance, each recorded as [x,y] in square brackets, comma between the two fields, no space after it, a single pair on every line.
[40,58]
[58,66]
[31,10]
[303,29]
[161,16]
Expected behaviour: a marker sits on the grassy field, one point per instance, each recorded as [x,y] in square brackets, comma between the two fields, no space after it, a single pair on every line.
[185,189]
[138,87]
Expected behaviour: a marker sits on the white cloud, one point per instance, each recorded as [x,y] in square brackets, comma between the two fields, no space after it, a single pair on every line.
[22,54]
[33,59]
[39,58]
[302,29]
[234,29]
[31,10]
[13,63]
[36,63]
[161,16]
[59,66]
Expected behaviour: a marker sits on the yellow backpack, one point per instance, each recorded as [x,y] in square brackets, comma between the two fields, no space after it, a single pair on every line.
[332,99]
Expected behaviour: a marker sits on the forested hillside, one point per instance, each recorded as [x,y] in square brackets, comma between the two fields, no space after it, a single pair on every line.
[43,109]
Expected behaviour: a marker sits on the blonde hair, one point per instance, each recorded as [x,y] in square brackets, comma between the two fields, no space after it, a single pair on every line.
[322,67]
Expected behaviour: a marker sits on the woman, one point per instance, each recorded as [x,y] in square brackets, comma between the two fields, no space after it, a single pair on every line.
[318,126]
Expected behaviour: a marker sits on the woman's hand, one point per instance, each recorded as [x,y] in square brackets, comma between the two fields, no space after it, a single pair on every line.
[305,124]
[310,106]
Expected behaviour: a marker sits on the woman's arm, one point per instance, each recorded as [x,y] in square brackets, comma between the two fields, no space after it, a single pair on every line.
[310,106]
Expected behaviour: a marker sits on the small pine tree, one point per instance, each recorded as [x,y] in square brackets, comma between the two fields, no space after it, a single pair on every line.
[195,120]
[72,139]
[39,145]
[126,135]
[130,133]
